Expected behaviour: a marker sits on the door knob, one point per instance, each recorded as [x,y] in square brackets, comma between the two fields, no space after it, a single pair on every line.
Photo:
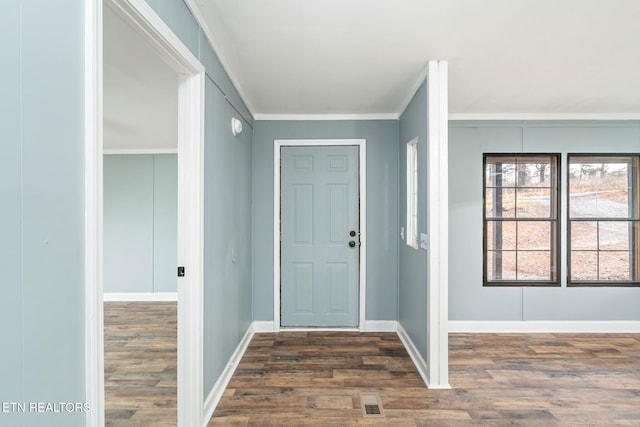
[352,233]
[352,244]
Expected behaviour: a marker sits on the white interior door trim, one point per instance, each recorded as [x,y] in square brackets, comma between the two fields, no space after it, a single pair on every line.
[139,15]
[362,158]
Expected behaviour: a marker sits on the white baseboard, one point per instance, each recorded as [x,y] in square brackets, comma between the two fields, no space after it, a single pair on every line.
[544,326]
[140,296]
[219,387]
[263,326]
[380,326]
[369,326]
[418,360]
[314,329]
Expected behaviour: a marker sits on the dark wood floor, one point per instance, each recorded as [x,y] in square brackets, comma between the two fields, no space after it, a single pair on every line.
[140,361]
[315,379]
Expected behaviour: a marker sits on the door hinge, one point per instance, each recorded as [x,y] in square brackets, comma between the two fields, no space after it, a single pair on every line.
[180,271]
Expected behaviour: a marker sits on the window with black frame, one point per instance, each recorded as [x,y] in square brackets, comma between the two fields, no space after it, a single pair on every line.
[604,214]
[521,219]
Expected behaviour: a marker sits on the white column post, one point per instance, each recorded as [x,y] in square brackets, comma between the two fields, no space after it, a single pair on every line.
[438,208]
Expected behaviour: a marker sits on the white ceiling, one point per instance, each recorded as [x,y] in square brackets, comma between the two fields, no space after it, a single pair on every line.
[140,92]
[364,56]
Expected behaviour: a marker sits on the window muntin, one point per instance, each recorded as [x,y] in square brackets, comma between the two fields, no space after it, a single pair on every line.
[604,220]
[412,193]
[520,219]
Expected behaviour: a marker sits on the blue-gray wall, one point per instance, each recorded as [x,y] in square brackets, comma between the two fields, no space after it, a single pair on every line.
[42,215]
[468,299]
[382,211]
[227,234]
[227,211]
[412,286]
[140,222]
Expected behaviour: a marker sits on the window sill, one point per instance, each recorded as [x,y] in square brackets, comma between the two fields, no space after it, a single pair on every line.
[521,284]
[609,284]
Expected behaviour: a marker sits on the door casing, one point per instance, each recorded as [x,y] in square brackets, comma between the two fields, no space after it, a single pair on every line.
[361,144]
[139,15]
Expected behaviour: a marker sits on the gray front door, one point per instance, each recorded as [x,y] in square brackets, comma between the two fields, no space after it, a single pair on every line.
[320,244]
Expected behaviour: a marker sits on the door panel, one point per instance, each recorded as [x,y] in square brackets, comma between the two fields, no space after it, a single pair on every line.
[319,208]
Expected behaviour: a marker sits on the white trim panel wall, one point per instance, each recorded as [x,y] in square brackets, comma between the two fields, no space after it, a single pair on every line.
[277,144]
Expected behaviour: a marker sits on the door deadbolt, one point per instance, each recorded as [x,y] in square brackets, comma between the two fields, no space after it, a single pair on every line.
[352,244]
[352,233]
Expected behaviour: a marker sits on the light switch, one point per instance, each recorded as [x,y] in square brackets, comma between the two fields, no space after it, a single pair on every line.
[402,233]
[424,241]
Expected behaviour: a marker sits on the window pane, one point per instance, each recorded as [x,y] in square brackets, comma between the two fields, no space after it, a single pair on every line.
[534,265]
[534,171]
[584,265]
[534,235]
[500,172]
[501,265]
[533,203]
[614,235]
[584,235]
[500,202]
[599,188]
[501,235]
[614,265]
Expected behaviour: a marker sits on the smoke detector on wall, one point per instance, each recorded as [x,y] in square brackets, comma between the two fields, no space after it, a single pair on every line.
[236,126]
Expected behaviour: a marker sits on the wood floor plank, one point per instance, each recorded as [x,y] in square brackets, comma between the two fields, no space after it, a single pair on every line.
[140,361]
[309,379]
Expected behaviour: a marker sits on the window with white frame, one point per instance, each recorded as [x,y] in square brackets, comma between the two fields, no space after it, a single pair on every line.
[604,220]
[412,193]
[521,219]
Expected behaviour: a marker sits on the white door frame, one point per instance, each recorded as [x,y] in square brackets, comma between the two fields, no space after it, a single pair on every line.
[362,177]
[139,15]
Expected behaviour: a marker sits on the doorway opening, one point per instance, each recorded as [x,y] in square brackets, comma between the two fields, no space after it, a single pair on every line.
[140,144]
[189,115]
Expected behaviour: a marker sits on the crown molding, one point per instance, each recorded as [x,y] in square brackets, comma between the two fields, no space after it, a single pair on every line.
[544,116]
